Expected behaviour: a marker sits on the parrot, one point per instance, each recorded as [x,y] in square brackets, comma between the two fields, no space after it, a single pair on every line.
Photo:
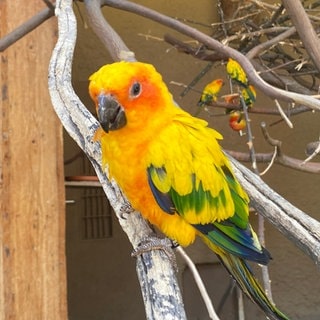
[171,168]
[248,97]
[236,120]
[237,74]
[210,92]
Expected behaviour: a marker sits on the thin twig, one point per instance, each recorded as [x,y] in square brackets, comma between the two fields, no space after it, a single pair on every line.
[283,115]
[200,284]
[194,81]
[270,163]
[261,228]
[257,34]
[315,153]
[241,314]
[267,44]
[250,136]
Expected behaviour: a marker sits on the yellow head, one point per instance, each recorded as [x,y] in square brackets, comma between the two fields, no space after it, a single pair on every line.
[127,94]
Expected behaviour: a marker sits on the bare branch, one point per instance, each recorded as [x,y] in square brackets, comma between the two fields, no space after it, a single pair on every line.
[284,160]
[201,287]
[283,114]
[283,35]
[302,23]
[278,156]
[265,45]
[109,38]
[159,286]
[26,27]
[303,230]
[266,74]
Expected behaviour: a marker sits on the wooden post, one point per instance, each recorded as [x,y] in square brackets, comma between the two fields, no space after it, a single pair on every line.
[32,217]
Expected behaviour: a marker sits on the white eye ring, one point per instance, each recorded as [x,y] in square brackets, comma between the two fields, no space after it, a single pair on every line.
[135,89]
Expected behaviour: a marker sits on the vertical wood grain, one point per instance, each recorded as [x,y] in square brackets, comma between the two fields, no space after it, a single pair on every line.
[32,221]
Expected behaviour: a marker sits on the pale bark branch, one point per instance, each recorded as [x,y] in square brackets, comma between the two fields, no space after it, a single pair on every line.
[203,291]
[107,35]
[305,29]
[296,225]
[279,157]
[284,160]
[267,44]
[284,81]
[156,275]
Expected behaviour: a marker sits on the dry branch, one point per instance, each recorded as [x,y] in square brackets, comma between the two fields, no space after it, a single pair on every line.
[157,277]
[296,225]
[26,27]
[302,23]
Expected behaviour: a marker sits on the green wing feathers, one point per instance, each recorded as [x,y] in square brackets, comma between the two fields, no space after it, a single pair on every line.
[196,182]
[193,179]
[193,172]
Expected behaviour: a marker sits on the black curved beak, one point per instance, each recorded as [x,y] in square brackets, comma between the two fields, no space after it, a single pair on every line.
[110,113]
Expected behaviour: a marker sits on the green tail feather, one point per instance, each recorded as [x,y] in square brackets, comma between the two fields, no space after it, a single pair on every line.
[240,271]
[251,97]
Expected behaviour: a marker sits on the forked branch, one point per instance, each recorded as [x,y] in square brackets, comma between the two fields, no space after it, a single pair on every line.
[154,269]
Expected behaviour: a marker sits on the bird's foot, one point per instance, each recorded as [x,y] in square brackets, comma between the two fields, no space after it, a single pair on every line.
[154,243]
[126,209]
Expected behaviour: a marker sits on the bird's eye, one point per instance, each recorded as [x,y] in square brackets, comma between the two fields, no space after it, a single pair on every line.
[135,89]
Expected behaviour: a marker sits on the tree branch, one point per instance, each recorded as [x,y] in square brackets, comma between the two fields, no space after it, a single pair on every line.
[284,160]
[156,275]
[302,23]
[296,225]
[279,157]
[266,74]
[109,38]
[265,45]
[26,27]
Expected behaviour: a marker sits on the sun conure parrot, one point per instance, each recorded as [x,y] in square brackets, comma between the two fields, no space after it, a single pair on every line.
[236,120]
[237,74]
[210,92]
[248,97]
[172,169]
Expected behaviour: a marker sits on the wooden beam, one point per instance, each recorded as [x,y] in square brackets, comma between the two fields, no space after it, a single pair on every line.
[32,216]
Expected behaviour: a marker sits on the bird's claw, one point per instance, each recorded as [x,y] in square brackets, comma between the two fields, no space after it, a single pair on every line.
[155,243]
[126,209]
